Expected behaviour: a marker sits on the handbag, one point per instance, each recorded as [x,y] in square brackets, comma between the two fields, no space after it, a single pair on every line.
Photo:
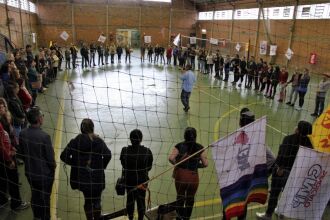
[120,185]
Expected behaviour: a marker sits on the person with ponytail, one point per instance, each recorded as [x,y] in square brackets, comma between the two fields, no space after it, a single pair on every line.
[88,156]
[189,156]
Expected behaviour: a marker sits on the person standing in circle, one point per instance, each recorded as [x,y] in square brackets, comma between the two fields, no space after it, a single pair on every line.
[88,156]
[137,162]
[186,173]
[188,80]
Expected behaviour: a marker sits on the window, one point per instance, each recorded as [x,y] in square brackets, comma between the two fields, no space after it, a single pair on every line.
[12,3]
[207,15]
[246,14]
[223,15]
[305,11]
[32,7]
[286,12]
[319,10]
[2,1]
[276,12]
[24,5]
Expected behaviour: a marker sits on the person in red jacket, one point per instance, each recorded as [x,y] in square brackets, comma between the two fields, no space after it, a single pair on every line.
[283,78]
[169,54]
[24,95]
[9,174]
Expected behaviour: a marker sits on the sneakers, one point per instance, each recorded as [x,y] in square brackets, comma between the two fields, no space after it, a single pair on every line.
[288,103]
[298,108]
[314,115]
[22,206]
[263,216]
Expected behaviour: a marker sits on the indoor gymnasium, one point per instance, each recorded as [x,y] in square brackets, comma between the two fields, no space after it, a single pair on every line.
[164,109]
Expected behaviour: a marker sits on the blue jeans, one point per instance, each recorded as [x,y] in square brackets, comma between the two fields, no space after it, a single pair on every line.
[185,98]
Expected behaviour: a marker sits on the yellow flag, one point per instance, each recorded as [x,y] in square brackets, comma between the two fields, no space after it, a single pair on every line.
[320,137]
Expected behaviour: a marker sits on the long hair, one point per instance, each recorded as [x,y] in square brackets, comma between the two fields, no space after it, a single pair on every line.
[87,126]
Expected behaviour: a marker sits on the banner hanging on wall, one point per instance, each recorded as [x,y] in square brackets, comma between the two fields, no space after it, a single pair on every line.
[64,35]
[192,40]
[101,38]
[147,39]
[214,41]
[263,47]
[176,40]
[272,50]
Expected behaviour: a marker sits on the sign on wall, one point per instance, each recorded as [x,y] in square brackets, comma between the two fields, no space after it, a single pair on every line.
[263,47]
[147,39]
[101,38]
[192,40]
[214,41]
[64,35]
[272,50]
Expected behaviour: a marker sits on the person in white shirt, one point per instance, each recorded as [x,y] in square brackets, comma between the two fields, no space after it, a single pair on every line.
[321,92]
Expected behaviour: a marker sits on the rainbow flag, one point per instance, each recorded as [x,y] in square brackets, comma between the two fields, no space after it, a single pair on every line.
[320,137]
[240,161]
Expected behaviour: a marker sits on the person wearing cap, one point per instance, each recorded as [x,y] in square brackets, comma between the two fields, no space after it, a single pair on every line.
[285,158]
[323,87]
[188,79]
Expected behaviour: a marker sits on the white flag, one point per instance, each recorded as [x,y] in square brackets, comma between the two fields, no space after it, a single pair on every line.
[307,190]
[240,161]
[101,38]
[238,47]
[263,47]
[192,40]
[214,41]
[289,54]
[272,50]
[64,35]
[176,40]
[147,39]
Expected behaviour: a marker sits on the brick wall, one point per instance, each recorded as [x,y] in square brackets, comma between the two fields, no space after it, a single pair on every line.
[29,24]
[308,36]
[85,22]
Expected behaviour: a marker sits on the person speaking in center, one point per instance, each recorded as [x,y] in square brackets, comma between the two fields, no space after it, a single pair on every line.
[188,80]
[186,174]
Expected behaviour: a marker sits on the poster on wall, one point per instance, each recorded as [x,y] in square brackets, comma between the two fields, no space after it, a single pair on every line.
[64,35]
[34,38]
[192,40]
[147,39]
[214,41]
[289,54]
[272,50]
[101,38]
[263,47]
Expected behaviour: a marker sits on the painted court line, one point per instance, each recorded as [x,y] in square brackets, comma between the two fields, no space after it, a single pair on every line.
[234,107]
[57,146]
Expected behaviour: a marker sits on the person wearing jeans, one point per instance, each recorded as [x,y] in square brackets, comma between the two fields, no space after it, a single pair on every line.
[302,88]
[323,87]
[294,90]
[188,79]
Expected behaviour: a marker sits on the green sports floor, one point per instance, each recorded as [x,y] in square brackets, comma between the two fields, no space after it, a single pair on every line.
[122,97]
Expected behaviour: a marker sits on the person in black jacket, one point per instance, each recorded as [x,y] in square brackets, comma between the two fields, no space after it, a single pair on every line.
[186,173]
[39,160]
[285,158]
[137,162]
[88,156]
